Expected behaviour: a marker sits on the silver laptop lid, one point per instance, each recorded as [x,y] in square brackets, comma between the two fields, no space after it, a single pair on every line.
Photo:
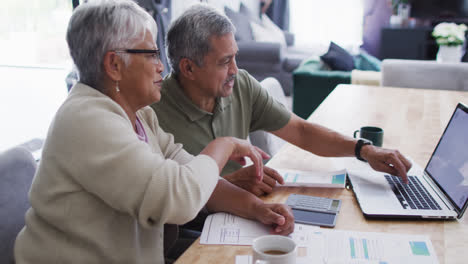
[448,165]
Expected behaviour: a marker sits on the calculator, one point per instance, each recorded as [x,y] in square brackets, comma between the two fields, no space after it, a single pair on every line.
[314,210]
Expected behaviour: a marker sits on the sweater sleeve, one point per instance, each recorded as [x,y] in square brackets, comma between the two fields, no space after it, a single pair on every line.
[95,144]
[165,140]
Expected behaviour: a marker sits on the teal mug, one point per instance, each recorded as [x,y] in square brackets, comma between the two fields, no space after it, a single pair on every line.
[374,134]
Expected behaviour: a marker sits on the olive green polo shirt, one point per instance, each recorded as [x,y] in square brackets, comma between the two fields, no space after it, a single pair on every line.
[248,108]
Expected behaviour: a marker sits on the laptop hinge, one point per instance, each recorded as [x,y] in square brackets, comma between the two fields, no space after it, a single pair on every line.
[437,191]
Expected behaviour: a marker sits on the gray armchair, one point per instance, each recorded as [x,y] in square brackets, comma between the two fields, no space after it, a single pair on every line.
[17,168]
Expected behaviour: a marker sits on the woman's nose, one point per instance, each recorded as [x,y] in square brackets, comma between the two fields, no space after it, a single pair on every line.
[159,66]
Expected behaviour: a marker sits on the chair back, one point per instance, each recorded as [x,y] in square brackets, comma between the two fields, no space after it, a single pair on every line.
[262,139]
[17,168]
[425,74]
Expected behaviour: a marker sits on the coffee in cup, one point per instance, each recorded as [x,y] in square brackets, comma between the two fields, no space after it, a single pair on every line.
[275,252]
[274,249]
[374,134]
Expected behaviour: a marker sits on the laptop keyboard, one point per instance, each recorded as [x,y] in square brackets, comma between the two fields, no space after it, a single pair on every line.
[413,195]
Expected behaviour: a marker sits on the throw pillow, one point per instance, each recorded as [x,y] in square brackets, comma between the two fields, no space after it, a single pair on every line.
[242,24]
[338,58]
[267,31]
[243,9]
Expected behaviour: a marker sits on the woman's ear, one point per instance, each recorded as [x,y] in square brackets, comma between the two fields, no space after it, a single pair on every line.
[113,65]
[187,68]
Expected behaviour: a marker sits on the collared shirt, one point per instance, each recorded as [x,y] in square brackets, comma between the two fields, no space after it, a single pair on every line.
[248,108]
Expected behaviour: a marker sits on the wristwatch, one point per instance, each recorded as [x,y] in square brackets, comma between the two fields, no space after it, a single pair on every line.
[357,149]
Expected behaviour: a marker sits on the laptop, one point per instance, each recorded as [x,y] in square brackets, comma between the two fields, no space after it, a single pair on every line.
[439,191]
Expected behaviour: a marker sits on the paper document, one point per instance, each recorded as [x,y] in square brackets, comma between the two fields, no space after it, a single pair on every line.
[338,246]
[324,245]
[228,229]
[334,179]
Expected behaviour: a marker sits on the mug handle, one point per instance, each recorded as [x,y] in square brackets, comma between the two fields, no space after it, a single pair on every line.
[354,134]
[259,261]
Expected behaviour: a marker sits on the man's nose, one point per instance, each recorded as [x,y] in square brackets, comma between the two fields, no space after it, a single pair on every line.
[233,67]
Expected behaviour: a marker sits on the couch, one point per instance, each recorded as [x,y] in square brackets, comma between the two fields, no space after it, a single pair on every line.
[314,80]
[425,74]
[265,58]
[17,168]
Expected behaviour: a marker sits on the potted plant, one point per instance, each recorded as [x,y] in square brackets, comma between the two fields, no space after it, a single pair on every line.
[450,37]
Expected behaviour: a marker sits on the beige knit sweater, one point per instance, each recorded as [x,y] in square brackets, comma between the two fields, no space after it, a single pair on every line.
[101,195]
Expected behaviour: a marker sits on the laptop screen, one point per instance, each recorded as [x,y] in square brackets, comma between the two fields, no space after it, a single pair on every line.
[448,165]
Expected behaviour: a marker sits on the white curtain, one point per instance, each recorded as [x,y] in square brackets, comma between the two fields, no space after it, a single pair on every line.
[317,22]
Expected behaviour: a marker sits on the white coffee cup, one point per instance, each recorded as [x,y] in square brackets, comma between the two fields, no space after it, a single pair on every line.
[274,249]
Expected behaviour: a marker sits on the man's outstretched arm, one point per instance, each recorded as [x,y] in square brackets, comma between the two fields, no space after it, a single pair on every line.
[328,143]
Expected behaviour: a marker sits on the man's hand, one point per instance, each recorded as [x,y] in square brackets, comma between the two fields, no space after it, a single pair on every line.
[278,216]
[386,160]
[245,178]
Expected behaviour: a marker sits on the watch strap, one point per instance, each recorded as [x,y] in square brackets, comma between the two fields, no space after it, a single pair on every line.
[357,148]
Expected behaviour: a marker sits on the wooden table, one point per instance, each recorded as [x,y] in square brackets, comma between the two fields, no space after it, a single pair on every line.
[413,120]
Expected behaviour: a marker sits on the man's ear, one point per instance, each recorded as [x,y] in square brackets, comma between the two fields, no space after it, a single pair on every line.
[113,66]
[187,68]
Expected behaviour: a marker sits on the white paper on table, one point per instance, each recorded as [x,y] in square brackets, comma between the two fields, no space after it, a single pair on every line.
[338,246]
[334,179]
[228,229]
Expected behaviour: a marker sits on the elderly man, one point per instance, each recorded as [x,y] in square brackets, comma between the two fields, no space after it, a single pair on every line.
[206,96]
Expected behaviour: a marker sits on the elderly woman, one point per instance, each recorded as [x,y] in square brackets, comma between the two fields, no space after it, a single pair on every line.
[110,178]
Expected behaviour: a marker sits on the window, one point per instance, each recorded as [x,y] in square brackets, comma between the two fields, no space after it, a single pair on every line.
[319,22]
[34,62]
[32,32]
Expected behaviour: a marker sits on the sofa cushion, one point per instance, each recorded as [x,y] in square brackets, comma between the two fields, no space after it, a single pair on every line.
[243,9]
[338,58]
[267,31]
[366,62]
[242,24]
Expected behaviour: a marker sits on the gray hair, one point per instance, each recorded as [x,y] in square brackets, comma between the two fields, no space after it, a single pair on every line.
[99,26]
[189,35]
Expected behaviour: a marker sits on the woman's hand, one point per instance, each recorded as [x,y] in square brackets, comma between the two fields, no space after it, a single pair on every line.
[244,149]
[230,148]
[278,216]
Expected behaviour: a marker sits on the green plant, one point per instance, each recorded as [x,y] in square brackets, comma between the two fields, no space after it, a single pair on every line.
[449,34]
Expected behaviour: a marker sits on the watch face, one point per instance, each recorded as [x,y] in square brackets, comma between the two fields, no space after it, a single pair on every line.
[366,141]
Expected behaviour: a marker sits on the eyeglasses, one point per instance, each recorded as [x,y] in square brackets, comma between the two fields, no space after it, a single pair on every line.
[154,54]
